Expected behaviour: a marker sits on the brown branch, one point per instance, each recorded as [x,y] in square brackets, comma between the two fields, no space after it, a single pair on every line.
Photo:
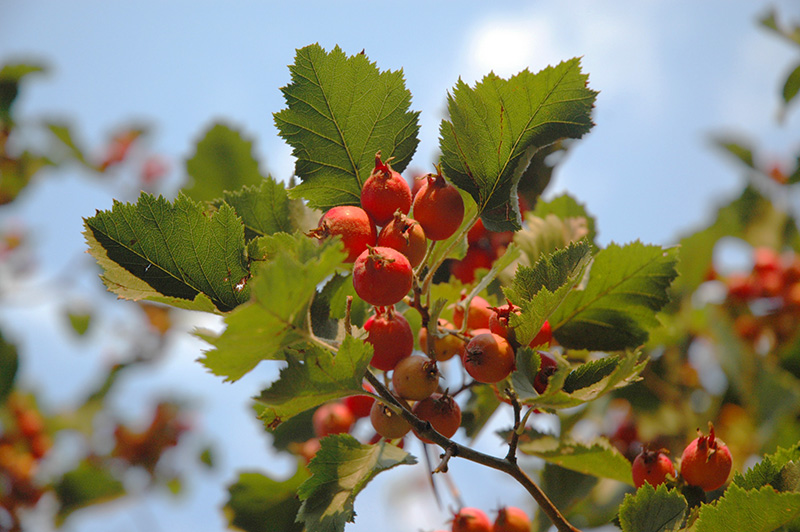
[512,445]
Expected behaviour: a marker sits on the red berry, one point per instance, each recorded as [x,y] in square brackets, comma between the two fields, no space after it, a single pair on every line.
[464,269]
[499,319]
[387,423]
[384,192]
[406,236]
[353,224]
[651,467]
[442,412]
[444,348]
[544,335]
[391,338]
[382,276]
[478,316]
[415,378]
[547,367]
[360,405]
[332,418]
[511,519]
[29,422]
[471,520]
[438,207]
[706,462]
[488,358]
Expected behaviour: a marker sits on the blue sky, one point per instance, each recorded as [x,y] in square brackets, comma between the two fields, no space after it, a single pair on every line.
[670,73]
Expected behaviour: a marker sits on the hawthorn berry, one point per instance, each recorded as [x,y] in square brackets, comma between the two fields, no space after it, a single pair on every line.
[488,358]
[332,418]
[360,405]
[511,519]
[406,236]
[706,462]
[441,411]
[547,366]
[477,316]
[651,467]
[391,338]
[471,520]
[475,258]
[353,224]
[544,336]
[499,318]
[438,207]
[384,192]
[444,348]
[415,378]
[382,276]
[387,423]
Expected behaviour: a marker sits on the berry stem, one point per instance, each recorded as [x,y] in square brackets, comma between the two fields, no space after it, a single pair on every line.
[453,449]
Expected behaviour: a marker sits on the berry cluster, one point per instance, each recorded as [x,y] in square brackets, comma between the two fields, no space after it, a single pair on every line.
[773,286]
[509,519]
[145,448]
[705,463]
[21,450]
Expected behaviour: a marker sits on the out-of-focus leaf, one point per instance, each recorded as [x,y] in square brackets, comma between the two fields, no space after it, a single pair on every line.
[653,510]
[88,484]
[792,85]
[63,133]
[509,119]
[9,364]
[572,211]
[340,470]
[10,76]
[340,112]
[79,321]
[481,404]
[564,488]
[174,253]
[223,161]
[257,503]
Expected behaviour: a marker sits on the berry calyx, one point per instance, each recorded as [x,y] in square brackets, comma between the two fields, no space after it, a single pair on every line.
[511,519]
[488,358]
[471,520]
[438,207]
[384,192]
[706,462]
[651,467]
[406,236]
[353,224]
[498,320]
[415,378]
[382,276]
[391,338]
[442,412]
[332,418]
[387,423]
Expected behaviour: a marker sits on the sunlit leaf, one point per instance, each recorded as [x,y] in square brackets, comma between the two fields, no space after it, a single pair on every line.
[762,510]
[263,208]
[258,503]
[653,510]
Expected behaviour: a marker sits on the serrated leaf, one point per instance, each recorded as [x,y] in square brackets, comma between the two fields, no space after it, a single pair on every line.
[779,470]
[627,286]
[627,369]
[590,373]
[86,485]
[171,253]
[320,377]
[257,503]
[9,364]
[597,458]
[340,112]
[761,510]
[541,288]
[223,160]
[340,471]
[509,119]
[284,282]
[264,209]
[653,510]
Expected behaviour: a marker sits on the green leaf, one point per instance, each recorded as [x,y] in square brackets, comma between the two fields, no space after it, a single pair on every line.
[564,488]
[223,160]
[792,85]
[590,373]
[481,404]
[257,503]
[79,321]
[9,365]
[171,253]
[264,209]
[627,286]
[598,458]
[761,510]
[653,510]
[10,76]
[64,135]
[509,119]
[86,485]
[285,280]
[540,289]
[779,470]
[340,112]
[320,377]
[340,470]
[738,148]
[570,210]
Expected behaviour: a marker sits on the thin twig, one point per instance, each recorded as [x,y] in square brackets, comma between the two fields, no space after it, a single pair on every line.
[512,445]
[348,327]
